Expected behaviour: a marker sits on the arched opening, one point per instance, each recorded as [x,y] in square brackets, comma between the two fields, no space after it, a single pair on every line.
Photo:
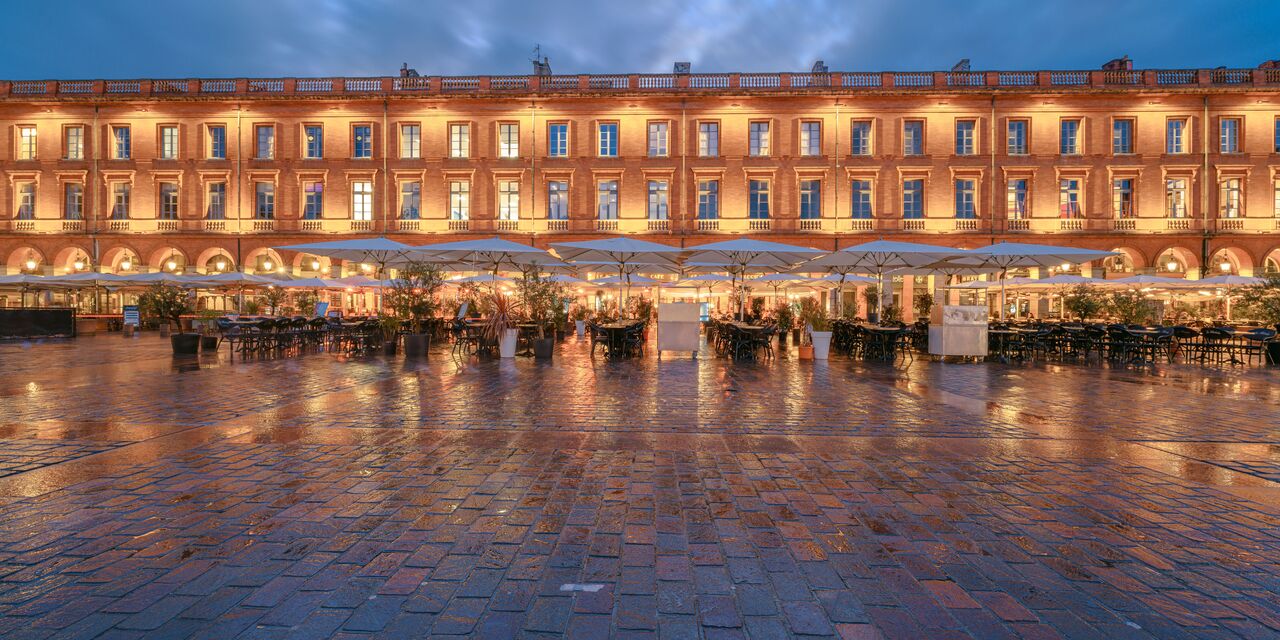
[121,259]
[264,261]
[26,260]
[1229,261]
[73,259]
[1177,262]
[169,260]
[215,260]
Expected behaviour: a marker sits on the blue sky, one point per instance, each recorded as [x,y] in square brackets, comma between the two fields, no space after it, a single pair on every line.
[207,38]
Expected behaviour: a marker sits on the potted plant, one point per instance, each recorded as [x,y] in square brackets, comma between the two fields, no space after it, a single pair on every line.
[871,295]
[785,318]
[412,298]
[274,297]
[389,327]
[167,304]
[540,297]
[813,316]
[580,314]
[209,329]
[560,318]
[305,302]
[924,306]
[1262,303]
[501,325]
[1130,307]
[1083,301]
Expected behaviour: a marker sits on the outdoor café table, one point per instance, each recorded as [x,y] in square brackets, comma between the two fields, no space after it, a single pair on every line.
[1005,342]
[881,341]
[617,332]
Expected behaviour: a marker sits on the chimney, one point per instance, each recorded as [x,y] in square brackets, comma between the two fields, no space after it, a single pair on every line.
[682,68]
[819,67]
[406,72]
[1119,64]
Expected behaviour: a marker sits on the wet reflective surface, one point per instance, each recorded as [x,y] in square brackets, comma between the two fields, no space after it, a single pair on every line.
[319,496]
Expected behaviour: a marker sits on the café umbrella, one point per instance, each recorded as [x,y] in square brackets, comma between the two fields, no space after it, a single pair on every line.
[879,256]
[741,254]
[621,253]
[1008,255]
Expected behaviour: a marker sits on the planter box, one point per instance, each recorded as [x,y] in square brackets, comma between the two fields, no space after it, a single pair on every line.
[209,343]
[507,345]
[821,344]
[543,348]
[185,344]
[416,345]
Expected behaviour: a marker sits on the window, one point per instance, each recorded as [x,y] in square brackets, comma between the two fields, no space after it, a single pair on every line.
[1069,198]
[168,201]
[1016,138]
[410,141]
[26,143]
[1229,135]
[459,200]
[1069,140]
[810,199]
[312,200]
[758,139]
[966,199]
[509,140]
[1276,136]
[913,199]
[913,138]
[1016,199]
[73,201]
[1175,195]
[811,138]
[558,200]
[264,200]
[362,200]
[362,141]
[966,145]
[459,142]
[860,138]
[122,149]
[558,140]
[313,142]
[708,139]
[758,199]
[861,198]
[708,199]
[120,200]
[266,136]
[168,143]
[508,200]
[1122,198]
[74,143]
[608,137]
[1175,136]
[217,142]
[1276,200]
[410,200]
[657,139]
[1121,136]
[26,200]
[1231,199]
[657,199]
[607,200]
[217,209]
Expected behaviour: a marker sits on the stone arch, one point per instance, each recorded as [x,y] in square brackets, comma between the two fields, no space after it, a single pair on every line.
[1239,259]
[160,258]
[17,260]
[211,255]
[1129,260]
[302,264]
[113,258]
[255,261]
[1188,261]
[1271,261]
[65,259]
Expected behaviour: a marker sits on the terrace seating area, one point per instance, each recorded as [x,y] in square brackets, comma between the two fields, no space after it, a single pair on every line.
[1134,344]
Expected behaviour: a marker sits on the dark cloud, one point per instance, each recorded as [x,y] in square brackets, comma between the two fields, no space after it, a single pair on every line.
[144,38]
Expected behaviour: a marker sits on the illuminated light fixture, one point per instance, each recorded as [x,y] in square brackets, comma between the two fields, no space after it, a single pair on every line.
[1066,266]
[126,264]
[266,264]
[315,265]
[1225,266]
[31,264]
[78,264]
[172,264]
[221,265]
[1171,265]
[366,267]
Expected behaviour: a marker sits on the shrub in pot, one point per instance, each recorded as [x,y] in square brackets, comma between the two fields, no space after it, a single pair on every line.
[1261,302]
[274,297]
[412,298]
[785,319]
[501,325]
[871,296]
[167,304]
[813,316]
[389,327]
[209,330]
[580,314]
[541,298]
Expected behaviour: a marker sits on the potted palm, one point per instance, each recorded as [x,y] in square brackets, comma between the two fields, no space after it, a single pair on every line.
[580,314]
[540,298]
[412,297]
[167,304]
[813,316]
[785,318]
[501,325]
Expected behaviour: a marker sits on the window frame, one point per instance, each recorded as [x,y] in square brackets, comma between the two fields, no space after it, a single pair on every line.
[360,199]
[357,146]
[66,200]
[918,139]
[759,143]
[1224,197]
[258,149]
[758,198]
[27,148]
[313,207]
[1025,137]
[121,199]
[664,149]
[508,149]
[1077,142]
[264,201]
[608,148]
[415,193]
[209,200]
[23,190]
[169,150]
[121,146]
[854,200]
[920,200]
[66,141]
[854,126]
[708,140]
[167,209]
[1130,124]
[661,191]
[552,151]
[1118,200]
[1236,135]
[557,199]
[971,142]
[807,146]
[210,145]
[809,198]
[708,198]
[459,199]
[413,140]
[1183,137]
[307,144]
[971,201]
[459,140]
[1012,210]
[1071,199]
[508,199]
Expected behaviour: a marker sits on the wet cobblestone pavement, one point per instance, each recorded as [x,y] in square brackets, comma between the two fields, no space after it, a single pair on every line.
[322,496]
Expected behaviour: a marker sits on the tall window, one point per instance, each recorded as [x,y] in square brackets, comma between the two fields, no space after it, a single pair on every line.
[362,200]
[122,148]
[708,139]
[459,200]
[362,141]
[811,138]
[1069,140]
[217,207]
[1121,136]
[264,200]
[708,199]
[860,138]
[558,140]
[758,138]
[313,200]
[1230,197]
[1229,135]
[1017,138]
[313,142]
[1016,199]
[658,139]
[913,138]
[26,143]
[168,143]
[410,141]
[913,199]
[558,200]
[508,200]
[607,200]
[120,200]
[810,199]
[410,199]
[265,135]
[74,143]
[509,140]
[459,143]
[966,144]
[73,201]
[758,199]
[966,199]
[1176,136]
[1069,198]
[607,132]
[216,142]
[657,199]
[1275,188]
[1122,198]
[168,201]
[861,198]
[1276,136]
[26,200]
[1175,196]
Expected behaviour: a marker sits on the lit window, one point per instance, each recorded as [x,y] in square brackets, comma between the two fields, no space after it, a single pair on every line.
[410,200]
[758,199]
[608,134]
[558,140]
[913,199]
[1069,140]
[313,142]
[1229,135]
[1231,198]
[459,142]
[73,202]
[1175,195]
[811,138]
[860,138]
[1017,138]
[217,149]
[1069,198]
[266,137]
[1016,199]
[966,199]
[708,199]
[168,201]
[313,200]
[1276,200]
[966,145]
[26,143]
[557,200]
[1175,136]
[758,134]
[508,200]
[26,201]
[362,200]
[168,143]
[861,197]
[264,200]
[657,139]
[657,199]
[459,200]
[810,199]
[1121,136]
[362,141]
[913,138]
[607,200]
[74,143]
[508,140]
[1122,198]
[120,200]
[410,141]
[122,148]
[217,209]
[708,139]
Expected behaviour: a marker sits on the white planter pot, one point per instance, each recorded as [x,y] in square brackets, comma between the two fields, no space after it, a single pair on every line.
[507,345]
[581,327]
[821,344]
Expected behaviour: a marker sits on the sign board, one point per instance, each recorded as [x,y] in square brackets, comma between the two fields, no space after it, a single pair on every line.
[131,315]
[679,327]
[322,309]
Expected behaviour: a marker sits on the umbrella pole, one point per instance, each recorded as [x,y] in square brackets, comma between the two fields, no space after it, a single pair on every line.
[1003,273]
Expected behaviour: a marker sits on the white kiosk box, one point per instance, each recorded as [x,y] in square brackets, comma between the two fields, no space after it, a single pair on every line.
[962,332]
[678,327]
